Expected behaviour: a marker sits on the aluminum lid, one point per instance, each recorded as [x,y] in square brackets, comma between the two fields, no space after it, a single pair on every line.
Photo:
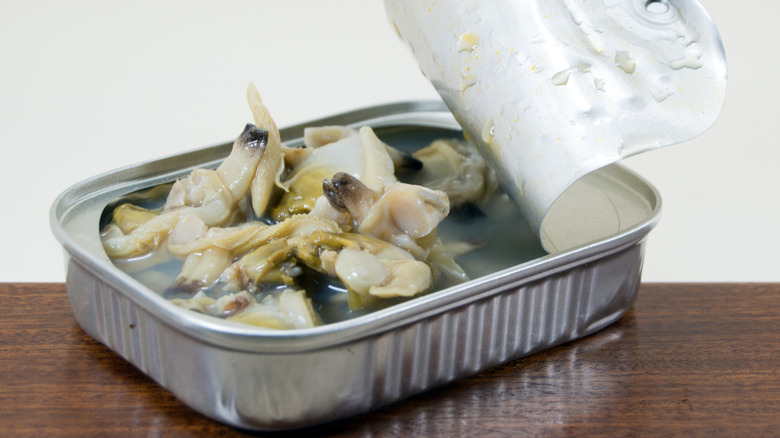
[553,90]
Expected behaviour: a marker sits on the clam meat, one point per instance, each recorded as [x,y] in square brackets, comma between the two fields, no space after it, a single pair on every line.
[456,168]
[213,196]
[288,310]
[250,240]
[362,155]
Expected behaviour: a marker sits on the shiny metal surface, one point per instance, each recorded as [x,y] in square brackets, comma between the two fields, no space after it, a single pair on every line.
[259,379]
[551,90]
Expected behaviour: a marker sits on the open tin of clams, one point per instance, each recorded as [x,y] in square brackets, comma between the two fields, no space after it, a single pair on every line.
[521,299]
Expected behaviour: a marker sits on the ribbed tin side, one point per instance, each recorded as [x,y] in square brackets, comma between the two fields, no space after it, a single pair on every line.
[283,391]
[506,326]
[111,318]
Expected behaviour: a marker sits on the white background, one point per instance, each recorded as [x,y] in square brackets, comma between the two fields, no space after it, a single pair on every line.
[86,87]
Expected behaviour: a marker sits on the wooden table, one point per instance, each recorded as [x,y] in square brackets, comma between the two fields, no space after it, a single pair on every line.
[688,359]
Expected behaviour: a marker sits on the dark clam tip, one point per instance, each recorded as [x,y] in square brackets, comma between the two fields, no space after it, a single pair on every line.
[340,188]
[341,178]
[182,289]
[254,136]
[331,191]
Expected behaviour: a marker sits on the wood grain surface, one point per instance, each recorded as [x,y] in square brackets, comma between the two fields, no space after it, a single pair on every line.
[688,359]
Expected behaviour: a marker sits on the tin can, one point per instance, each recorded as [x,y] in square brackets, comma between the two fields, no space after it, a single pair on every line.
[260,379]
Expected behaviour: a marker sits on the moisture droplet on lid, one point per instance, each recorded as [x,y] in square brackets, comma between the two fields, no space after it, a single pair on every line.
[467,42]
[467,81]
[488,131]
[624,60]
[561,78]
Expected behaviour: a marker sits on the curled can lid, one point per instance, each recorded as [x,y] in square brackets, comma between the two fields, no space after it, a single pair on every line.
[551,90]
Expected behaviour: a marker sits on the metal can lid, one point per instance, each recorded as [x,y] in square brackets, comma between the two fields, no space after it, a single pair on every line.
[550,91]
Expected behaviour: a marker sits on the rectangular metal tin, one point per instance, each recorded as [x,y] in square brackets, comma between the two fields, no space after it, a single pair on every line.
[262,380]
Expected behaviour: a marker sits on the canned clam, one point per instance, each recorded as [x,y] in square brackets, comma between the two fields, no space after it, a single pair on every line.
[264,379]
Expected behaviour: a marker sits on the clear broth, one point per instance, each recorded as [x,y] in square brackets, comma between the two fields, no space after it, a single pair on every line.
[503,237]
